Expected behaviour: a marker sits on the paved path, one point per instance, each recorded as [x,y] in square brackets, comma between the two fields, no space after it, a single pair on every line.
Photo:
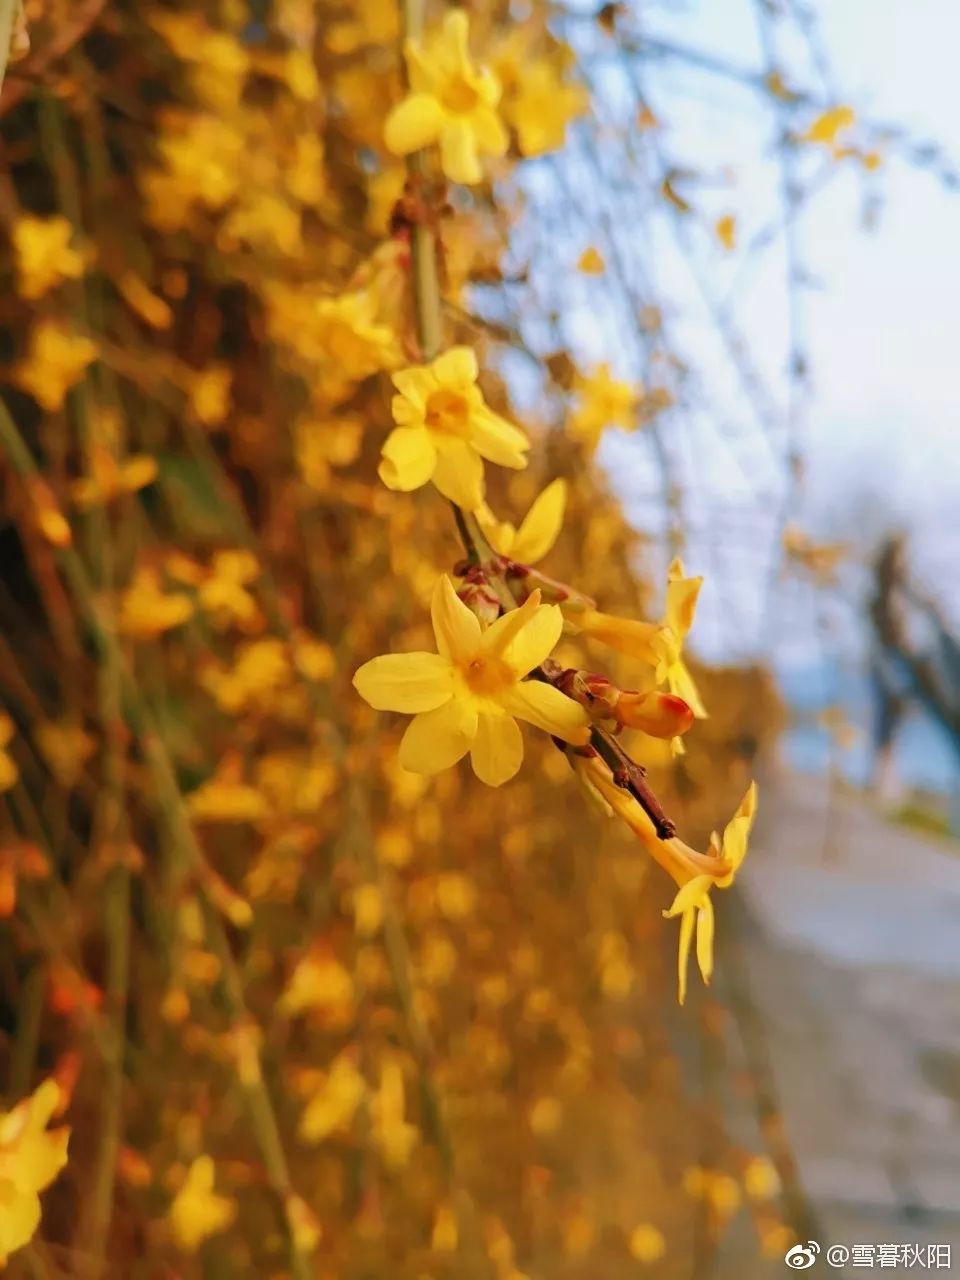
[847,942]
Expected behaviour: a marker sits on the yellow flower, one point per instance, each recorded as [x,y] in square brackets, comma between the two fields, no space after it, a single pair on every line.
[829,125]
[450,101]
[30,1159]
[465,697]
[647,1243]
[109,479]
[198,1211]
[342,334]
[146,610]
[602,402]
[55,361]
[695,873]
[538,530]
[9,773]
[445,430]
[591,262]
[394,1135]
[659,644]
[44,255]
[542,106]
[334,1103]
[319,982]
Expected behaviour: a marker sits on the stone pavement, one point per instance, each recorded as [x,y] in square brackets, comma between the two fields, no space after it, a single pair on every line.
[844,946]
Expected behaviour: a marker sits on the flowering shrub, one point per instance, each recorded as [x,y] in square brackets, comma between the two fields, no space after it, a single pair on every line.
[315,1001]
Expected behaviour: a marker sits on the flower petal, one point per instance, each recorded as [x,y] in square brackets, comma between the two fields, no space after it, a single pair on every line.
[414,385]
[497,750]
[408,682]
[506,628]
[409,458]
[459,473]
[491,133]
[683,953]
[414,123]
[681,684]
[535,641]
[682,596]
[662,715]
[434,740]
[642,640]
[541,525]
[456,629]
[497,439]
[705,940]
[458,152]
[690,895]
[456,368]
[736,834]
[549,709]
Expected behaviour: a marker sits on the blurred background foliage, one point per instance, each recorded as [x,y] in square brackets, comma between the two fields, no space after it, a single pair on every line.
[313,1015]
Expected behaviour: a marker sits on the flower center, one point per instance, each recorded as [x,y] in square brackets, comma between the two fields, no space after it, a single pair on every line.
[448,411]
[487,676]
[458,95]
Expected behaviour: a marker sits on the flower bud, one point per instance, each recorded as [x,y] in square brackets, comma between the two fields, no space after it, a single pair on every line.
[662,715]
[479,597]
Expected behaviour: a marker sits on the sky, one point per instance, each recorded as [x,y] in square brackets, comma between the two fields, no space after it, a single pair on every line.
[878,431]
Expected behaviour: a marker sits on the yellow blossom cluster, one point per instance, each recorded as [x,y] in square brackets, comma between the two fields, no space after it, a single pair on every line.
[317,1001]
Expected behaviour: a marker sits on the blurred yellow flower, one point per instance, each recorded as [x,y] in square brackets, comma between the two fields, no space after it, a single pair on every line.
[602,401]
[445,430]
[393,1134]
[647,1243]
[44,255]
[466,696]
[726,229]
[591,262]
[542,106]
[827,126]
[147,610]
[109,479]
[334,1101]
[55,361]
[319,981]
[198,1211]
[538,530]
[451,101]
[31,1156]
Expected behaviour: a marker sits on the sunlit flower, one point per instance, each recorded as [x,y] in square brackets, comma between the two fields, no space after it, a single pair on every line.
[695,873]
[55,361]
[451,101]
[466,696]
[658,644]
[319,982]
[445,429]
[44,255]
[602,401]
[31,1156]
[591,262]
[538,530]
[198,1211]
[110,479]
